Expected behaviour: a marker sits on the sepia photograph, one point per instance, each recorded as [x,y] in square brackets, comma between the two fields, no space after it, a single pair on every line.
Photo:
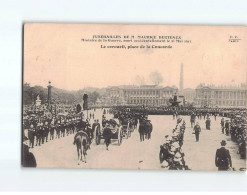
[136,97]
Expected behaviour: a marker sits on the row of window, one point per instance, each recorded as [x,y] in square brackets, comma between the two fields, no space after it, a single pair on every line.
[147,92]
[231,103]
[145,102]
[222,97]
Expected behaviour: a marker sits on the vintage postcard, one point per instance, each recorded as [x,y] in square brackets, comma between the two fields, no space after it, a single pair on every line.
[147,97]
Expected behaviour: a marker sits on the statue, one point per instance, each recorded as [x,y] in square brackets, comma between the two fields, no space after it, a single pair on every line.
[38,101]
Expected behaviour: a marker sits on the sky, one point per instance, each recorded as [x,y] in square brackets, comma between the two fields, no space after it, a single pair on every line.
[55,52]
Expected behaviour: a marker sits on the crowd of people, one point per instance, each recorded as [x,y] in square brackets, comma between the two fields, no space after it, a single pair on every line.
[233,123]
[238,132]
[171,155]
[44,128]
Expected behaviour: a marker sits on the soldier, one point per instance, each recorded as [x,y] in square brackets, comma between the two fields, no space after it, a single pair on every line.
[142,130]
[58,128]
[67,126]
[215,115]
[164,154]
[223,158]
[31,134]
[81,125]
[38,133]
[43,133]
[46,130]
[149,128]
[197,130]
[52,129]
[208,123]
[192,119]
[227,126]
[63,126]
[222,123]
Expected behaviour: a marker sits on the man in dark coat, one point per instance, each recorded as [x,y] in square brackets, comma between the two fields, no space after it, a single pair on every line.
[142,130]
[223,158]
[95,124]
[28,159]
[197,130]
[107,134]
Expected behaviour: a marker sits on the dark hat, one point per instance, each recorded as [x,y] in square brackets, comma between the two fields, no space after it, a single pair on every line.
[223,142]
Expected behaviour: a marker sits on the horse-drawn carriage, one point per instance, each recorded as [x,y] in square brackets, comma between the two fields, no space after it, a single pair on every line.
[115,128]
[128,127]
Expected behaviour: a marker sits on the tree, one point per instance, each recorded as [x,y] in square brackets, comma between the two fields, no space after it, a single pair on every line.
[156,78]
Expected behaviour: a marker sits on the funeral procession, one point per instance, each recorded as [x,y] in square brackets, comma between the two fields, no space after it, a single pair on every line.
[135,127]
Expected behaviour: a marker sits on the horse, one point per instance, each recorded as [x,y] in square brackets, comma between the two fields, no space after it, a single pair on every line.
[81,140]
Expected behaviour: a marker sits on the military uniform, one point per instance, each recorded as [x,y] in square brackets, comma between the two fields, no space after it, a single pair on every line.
[227,126]
[197,130]
[52,129]
[46,131]
[58,129]
[39,131]
[31,134]
[222,123]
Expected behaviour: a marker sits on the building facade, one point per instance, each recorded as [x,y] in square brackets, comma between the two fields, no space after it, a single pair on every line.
[147,95]
[222,97]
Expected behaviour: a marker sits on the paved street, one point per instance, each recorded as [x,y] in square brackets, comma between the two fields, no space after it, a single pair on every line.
[133,154]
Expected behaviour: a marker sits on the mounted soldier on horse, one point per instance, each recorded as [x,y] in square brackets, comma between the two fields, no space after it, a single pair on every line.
[83,139]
